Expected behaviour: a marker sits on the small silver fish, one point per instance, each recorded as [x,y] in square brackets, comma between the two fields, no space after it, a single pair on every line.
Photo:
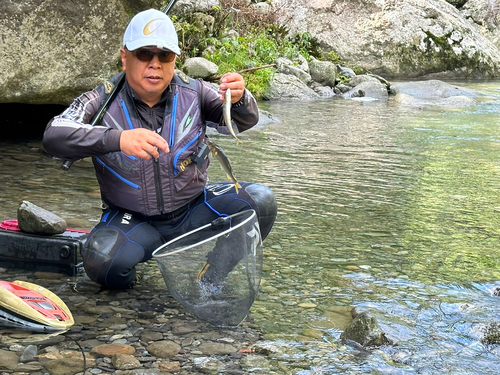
[226,110]
[221,156]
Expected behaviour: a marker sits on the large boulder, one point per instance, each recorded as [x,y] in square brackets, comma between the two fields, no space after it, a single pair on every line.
[486,15]
[53,50]
[396,39]
[289,87]
[433,92]
[431,89]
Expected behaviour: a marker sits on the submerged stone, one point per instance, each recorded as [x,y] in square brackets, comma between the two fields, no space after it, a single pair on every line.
[365,330]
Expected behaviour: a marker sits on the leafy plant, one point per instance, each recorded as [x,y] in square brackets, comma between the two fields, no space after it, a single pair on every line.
[236,37]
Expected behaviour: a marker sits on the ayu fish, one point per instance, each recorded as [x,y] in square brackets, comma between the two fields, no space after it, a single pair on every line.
[226,110]
[221,156]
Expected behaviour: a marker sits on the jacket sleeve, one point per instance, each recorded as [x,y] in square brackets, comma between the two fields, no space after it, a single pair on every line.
[70,136]
[244,113]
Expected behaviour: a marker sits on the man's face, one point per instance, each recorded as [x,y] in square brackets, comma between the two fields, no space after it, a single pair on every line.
[148,78]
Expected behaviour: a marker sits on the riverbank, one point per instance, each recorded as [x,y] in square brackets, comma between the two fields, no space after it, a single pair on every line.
[136,331]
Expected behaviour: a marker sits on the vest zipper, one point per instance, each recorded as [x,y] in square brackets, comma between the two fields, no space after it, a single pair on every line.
[171,141]
[159,194]
[156,169]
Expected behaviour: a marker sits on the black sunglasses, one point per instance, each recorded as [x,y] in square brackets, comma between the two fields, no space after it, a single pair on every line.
[147,55]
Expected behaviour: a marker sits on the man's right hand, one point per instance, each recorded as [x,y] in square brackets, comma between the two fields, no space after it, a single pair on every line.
[142,143]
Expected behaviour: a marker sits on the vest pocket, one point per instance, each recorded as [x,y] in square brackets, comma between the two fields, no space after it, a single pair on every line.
[116,174]
[182,157]
[190,180]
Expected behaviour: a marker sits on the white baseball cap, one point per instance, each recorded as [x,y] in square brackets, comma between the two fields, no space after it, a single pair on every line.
[151,28]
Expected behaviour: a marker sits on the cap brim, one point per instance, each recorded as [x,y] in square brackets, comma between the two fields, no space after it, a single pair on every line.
[147,42]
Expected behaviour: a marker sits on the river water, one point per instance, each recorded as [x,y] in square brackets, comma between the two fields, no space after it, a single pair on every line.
[390,209]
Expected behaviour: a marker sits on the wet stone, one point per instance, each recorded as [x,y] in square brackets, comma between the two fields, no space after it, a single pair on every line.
[64,366]
[148,336]
[29,354]
[209,365]
[125,362]
[8,360]
[254,362]
[365,330]
[169,366]
[183,328]
[216,348]
[137,331]
[109,350]
[164,349]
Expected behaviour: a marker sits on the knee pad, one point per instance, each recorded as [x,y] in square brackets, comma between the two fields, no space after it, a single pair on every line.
[267,208]
[109,258]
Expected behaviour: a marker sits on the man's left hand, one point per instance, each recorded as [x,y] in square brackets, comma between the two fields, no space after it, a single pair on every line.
[235,82]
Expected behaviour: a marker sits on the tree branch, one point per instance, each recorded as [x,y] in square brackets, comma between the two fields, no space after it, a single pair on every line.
[216,77]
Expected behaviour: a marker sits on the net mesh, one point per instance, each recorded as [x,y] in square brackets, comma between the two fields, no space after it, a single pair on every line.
[215,271]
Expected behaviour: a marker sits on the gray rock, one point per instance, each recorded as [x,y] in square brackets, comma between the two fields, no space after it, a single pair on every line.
[371,89]
[452,101]
[77,48]
[492,334]
[164,349]
[409,39]
[322,91]
[380,79]
[251,363]
[324,72]
[195,6]
[266,117]
[286,66]
[365,330]
[284,86]
[148,336]
[125,362]
[359,79]
[484,14]
[342,88]
[199,67]
[430,89]
[209,365]
[345,72]
[217,348]
[29,354]
[64,366]
[33,219]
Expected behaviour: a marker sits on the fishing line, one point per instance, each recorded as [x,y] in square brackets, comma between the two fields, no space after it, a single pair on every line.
[84,357]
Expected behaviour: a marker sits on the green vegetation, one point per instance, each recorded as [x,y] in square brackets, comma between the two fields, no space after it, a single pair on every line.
[236,37]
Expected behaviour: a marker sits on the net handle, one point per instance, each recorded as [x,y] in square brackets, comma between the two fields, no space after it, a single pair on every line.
[156,252]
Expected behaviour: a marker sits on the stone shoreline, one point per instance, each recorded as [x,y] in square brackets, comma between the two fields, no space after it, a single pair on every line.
[142,330]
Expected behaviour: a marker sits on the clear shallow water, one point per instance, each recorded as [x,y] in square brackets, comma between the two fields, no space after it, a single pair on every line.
[389,208]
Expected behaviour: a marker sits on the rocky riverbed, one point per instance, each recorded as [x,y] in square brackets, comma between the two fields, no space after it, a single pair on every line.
[142,330]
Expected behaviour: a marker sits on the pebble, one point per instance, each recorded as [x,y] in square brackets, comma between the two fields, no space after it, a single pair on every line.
[307,305]
[352,268]
[136,331]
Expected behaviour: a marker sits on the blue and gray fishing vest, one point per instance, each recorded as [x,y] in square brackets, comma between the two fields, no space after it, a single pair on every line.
[154,187]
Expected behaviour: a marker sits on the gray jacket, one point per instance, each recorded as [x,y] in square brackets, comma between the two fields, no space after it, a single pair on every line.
[149,187]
